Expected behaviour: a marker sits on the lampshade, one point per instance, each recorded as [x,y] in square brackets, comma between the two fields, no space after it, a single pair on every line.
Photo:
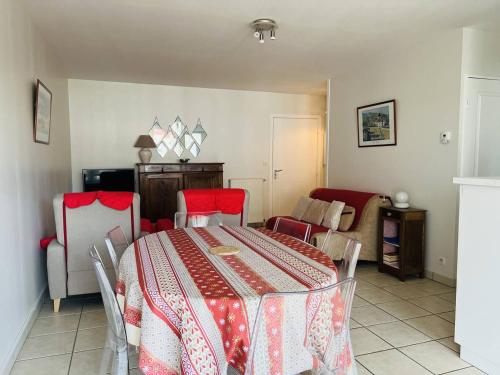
[145,141]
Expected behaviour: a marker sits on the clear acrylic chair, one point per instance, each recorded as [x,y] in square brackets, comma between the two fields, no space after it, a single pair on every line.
[116,242]
[351,252]
[116,348]
[198,219]
[294,228]
[326,331]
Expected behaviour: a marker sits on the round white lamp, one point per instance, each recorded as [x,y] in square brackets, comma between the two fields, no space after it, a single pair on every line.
[401,200]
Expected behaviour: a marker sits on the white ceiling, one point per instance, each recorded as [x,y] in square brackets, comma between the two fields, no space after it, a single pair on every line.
[210,44]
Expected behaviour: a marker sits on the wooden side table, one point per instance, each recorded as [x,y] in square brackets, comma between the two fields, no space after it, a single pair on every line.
[401,241]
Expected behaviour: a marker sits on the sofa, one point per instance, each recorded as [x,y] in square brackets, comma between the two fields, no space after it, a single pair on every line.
[82,220]
[233,203]
[364,227]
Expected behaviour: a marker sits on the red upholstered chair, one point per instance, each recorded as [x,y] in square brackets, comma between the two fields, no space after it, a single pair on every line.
[232,203]
[294,228]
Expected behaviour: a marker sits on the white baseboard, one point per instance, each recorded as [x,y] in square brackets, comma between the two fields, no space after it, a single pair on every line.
[8,361]
[440,278]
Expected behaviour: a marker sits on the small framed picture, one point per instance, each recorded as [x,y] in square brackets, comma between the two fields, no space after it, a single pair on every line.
[43,108]
[377,124]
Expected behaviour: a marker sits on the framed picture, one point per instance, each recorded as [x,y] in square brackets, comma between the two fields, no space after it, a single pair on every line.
[377,124]
[43,107]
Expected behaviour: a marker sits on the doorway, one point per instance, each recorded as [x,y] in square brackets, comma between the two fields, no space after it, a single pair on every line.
[296,161]
[480,145]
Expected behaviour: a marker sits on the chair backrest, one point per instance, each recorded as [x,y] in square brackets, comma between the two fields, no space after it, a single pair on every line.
[215,202]
[116,241]
[198,219]
[326,333]
[294,228]
[87,225]
[351,253]
[113,313]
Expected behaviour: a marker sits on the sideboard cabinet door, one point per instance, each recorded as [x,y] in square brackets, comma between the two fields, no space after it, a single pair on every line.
[159,195]
[203,180]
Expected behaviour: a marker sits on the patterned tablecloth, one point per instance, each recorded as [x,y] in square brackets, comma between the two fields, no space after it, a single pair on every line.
[192,312]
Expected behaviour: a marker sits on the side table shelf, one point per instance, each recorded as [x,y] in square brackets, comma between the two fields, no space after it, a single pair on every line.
[401,241]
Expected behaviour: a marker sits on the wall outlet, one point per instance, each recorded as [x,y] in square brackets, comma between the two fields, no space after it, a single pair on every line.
[442,260]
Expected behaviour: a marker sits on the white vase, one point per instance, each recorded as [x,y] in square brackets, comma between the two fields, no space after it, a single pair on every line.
[145,155]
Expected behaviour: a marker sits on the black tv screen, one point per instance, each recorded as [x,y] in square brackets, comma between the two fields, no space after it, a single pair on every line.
[108,179]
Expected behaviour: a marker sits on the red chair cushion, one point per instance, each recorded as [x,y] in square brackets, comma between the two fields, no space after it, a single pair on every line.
[164,224]
[351,198]
[147,226]
[314,228]
[118,200]
[228,201]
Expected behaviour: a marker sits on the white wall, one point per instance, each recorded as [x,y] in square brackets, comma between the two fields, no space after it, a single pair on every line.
[107,117]
[425,81]
[31,173]
[481,53]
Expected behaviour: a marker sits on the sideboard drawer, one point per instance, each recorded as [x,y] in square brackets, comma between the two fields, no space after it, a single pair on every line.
[212,168]
[150,168]
[171,168]
[192,168]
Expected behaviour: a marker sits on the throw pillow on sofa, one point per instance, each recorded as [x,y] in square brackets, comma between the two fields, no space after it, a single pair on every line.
[333,215]
[316,212]
[301,207]
[346,219]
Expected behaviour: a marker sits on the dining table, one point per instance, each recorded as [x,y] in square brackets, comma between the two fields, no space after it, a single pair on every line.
[190,311]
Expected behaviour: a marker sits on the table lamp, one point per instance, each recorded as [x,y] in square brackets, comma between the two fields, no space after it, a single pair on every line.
[145,142]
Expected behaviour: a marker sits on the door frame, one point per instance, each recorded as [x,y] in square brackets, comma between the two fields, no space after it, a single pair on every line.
[319,163]
[464,94]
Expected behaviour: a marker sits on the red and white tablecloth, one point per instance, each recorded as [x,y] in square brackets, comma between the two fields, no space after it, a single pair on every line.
[191,312]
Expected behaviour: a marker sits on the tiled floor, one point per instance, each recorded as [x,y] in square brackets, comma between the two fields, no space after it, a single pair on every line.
[397,328]
[404,328]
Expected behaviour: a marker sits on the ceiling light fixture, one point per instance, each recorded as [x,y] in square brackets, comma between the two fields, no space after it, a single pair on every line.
[264,24]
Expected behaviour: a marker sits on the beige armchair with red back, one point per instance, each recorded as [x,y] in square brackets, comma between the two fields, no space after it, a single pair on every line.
[82,220]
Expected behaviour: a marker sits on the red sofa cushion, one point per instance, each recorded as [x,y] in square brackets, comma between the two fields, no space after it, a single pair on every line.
[314,228]
[164,224]
[356,199]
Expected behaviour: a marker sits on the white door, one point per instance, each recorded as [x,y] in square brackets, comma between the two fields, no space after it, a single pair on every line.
[480,154]
[296,163]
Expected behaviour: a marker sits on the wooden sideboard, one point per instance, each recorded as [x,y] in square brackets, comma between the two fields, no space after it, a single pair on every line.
[158,184]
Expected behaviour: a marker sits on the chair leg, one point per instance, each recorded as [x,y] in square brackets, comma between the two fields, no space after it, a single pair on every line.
[120,363]
[107,357]
[57,303]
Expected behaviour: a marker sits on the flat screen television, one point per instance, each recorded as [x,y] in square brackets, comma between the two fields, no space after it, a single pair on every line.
[108,179]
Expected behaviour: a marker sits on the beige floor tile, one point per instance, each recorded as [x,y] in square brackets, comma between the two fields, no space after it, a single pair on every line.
[364,341]
[467,371]
[449,316]
[450,297]
[92,338]
[68,307]
[399,334]
[433,304]
[362,285]
[56,324]
[369,315]
[403,310]
[391,362]
[381,279]
[87,362]
[93,305]
[449,342]
[55,365]
[433,287]
[93,319]
[47,345]
[407,291]
[358,302]
[376,295]
[433,326]
[435,357]
[361,369]
[354,324]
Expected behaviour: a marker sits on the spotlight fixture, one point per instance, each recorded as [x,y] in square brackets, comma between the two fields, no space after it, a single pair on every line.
[264,24]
